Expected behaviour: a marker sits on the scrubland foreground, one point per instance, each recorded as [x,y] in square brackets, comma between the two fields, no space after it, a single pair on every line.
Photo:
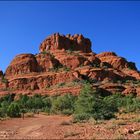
[87,116]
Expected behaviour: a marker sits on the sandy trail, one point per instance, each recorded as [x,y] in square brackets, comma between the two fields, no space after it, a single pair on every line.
[52,127]
[30,127]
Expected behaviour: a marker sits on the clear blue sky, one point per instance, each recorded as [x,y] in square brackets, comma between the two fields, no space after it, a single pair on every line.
[111,26]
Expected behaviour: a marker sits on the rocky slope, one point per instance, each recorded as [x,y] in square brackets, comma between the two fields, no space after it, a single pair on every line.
[61,66]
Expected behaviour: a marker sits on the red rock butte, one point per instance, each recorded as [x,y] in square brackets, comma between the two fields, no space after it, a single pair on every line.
[61,66]
[59,42]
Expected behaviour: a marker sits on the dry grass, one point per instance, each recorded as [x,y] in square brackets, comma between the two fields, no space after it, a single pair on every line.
[29,115]
[127,116]
[95,122]
[120,122]
[3,119]
[136,120]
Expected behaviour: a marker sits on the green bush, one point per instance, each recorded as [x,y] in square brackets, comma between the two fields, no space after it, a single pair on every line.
[67,111]
[61,84]
[81,117]
[8,98]
[35,102]
[63,103]
[13,110]
[4,80]
[89,104]
[23,101]
[131,104]
[47,104]
[2,113]
[66,68]
[4,106]
[116,100]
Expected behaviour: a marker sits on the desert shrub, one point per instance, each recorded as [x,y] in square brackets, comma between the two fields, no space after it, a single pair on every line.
[131,103]
[23,110]
[8,98]
[89,104]
[30,104]
[64,103]
[65,68]
[2,113]
[116,100]
[13,110]
[61,84]
[67,111]
[35,102]
[81,117]
[47,104]
[104,110]
[4,80]
[38,103]
[23,101]
[29,114]
[3,107]
[44,52]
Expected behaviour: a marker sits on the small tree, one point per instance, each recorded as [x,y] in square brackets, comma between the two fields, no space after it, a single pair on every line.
[85,102]
[91,104]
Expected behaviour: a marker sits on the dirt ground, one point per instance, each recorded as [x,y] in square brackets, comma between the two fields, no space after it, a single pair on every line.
[61,127]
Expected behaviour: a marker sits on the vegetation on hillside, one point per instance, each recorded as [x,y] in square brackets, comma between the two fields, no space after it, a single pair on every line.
[89,104]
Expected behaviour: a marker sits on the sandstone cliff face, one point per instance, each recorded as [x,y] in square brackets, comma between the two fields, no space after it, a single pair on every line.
[41,81]
[46,61]
[115,61]
[76,43]
[22,64]
[70,60]
[61,66]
